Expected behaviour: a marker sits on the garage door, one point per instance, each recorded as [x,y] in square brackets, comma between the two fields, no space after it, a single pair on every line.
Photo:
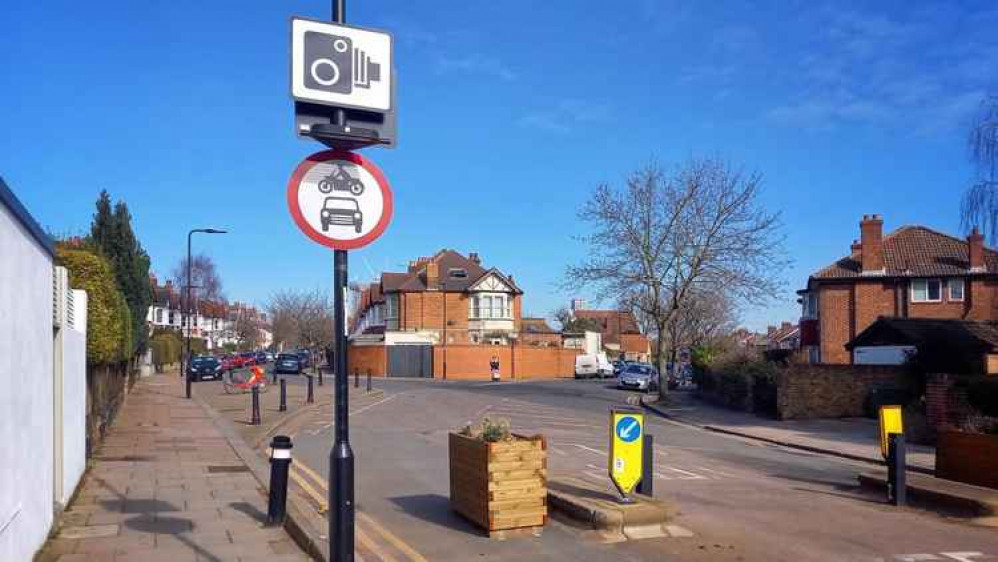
[410,361]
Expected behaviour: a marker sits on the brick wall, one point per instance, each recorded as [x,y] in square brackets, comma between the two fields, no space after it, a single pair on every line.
[945,403]
[835,303]
[518,362]
[634,343]
[831,391]
[364,358]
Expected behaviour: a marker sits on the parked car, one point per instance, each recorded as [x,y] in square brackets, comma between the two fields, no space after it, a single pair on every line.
[261,357]
[204,368]
[305,357]
[249,358]
[619,365]
[639,376]
[288,363]
[592,365]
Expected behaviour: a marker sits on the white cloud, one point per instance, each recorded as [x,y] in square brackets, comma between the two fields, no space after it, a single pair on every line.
[567,115]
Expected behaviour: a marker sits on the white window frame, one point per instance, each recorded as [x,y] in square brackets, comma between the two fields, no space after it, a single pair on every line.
[926,282]
[951,283]
[490,306]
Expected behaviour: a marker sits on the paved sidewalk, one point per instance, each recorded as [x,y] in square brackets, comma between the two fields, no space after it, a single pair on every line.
[856,438]
[166,486]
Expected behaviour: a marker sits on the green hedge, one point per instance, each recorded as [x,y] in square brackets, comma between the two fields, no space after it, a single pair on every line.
[108,318]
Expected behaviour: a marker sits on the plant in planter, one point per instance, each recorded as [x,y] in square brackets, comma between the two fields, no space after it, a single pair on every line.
[970,454]
[498,479]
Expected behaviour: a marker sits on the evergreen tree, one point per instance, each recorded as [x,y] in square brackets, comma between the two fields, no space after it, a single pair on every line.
[112,235]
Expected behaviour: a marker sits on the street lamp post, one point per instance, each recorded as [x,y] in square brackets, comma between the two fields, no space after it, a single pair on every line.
[185,360]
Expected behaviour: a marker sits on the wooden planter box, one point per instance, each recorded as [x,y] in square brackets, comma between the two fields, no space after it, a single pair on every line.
[968,457]
[502,485]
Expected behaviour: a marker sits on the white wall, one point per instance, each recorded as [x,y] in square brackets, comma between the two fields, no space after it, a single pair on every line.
[26,398]
[74,399]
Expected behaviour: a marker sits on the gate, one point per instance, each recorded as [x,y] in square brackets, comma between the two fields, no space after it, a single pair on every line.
[410,361]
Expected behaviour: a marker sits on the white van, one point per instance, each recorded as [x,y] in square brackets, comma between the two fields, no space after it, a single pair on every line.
[592,365]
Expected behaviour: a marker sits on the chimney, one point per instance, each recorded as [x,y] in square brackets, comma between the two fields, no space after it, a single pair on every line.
[871,230]
[432,276]
[770,330]
[855,250]
[975,243]
[473,256]
[785,326]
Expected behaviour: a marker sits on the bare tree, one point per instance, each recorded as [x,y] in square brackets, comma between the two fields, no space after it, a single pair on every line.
[661,240]
[700,322]
[979,207]
[247,331]
[204,278]
[301,318]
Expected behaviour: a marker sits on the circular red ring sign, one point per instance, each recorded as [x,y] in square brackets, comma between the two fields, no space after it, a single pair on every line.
[295,184]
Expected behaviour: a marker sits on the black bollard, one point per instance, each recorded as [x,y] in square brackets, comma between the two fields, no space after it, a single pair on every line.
[274,375]
[284,397]
[646,486]
[897,486]
[280,464]
[356,378]
[309,398]
[369,380]
[255,414]
[320,376]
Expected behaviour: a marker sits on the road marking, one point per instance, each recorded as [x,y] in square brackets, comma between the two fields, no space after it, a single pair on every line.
[600,478]
[304,485]
[661,476]
[369,406]
[559,452]
[397,542]
[367,543]
[590,449]
[309,471]
[962,556]
[370,521]
[689,475]
[712,471]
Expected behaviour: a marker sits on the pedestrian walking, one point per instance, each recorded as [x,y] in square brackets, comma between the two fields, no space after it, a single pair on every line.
[494,367]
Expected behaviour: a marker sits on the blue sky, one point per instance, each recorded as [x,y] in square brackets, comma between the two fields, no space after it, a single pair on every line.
[510,114]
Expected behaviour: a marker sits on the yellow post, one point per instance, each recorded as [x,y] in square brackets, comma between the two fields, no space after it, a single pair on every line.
[626,444]
[890,422]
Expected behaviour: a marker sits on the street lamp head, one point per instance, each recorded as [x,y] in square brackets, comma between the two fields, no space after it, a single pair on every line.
[215,231]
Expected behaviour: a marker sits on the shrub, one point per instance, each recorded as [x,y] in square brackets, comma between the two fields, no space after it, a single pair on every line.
[491,430]
[108,319]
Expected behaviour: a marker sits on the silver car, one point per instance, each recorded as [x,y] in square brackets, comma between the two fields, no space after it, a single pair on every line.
[638,377]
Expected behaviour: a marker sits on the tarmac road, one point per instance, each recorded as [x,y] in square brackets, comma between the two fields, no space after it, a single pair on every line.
[741,499]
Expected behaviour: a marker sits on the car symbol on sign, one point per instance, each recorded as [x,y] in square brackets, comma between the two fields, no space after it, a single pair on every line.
[341,211]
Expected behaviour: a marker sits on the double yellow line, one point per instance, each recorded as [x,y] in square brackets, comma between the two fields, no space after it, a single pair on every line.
[315,487]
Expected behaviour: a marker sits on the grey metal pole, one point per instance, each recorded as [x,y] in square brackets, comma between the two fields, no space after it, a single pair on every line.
[646,486]
[341,520]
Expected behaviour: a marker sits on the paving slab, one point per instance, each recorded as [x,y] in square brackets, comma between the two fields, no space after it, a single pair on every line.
[153,490]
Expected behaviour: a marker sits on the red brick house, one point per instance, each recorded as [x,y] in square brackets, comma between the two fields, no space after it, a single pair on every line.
[620,332]
[445,298]
[913,272]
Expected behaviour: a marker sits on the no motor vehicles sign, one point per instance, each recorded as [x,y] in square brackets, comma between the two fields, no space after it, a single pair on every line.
[340,199]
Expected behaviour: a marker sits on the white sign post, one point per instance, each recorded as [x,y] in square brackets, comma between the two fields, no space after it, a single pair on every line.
[334,64]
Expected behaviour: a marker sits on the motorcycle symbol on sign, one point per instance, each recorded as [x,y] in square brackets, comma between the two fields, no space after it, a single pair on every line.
[340,180]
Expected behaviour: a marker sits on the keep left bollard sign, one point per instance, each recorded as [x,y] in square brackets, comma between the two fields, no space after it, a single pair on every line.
[340,199]
[626,444]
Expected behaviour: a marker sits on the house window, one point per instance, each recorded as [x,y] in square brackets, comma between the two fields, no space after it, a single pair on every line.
[392,306]
[458,273]
[955,289]
[491,306]
[926,290]
[159,315]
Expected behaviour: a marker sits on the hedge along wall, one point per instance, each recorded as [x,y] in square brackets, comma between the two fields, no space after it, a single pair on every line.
[109,338]
[108,318]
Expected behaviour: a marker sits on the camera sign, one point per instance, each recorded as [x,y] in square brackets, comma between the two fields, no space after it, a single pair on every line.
[340,199]
[337,65]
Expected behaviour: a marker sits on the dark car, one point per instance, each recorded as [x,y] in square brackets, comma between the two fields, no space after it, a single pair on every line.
[261,357]
[288,363]
[205,368]
[305,357]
